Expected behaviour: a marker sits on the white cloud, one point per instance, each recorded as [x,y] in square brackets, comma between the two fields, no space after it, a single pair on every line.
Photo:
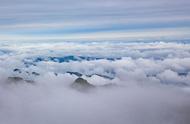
[149,79]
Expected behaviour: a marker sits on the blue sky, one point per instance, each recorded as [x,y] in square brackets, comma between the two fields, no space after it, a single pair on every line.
[94,19]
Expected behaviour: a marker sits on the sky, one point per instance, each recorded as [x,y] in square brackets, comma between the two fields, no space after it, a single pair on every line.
[129,78]
[94,19]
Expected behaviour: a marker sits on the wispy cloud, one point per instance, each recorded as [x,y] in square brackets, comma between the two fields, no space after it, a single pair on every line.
[49,17]
[167,33]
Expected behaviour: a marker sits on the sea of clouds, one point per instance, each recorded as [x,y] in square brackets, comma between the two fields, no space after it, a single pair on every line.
[151,82]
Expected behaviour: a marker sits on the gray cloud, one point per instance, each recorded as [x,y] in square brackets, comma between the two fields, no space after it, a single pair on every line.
[109,13]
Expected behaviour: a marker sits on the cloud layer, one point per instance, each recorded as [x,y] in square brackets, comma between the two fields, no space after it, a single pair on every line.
[69,18]
[148,77]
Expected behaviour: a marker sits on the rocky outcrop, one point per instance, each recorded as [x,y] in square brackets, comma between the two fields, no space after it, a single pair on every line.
[18,80]
[27,72]
[17,70]
[35,73]
[89,75]
[15,79]
[74,73]
[82,84]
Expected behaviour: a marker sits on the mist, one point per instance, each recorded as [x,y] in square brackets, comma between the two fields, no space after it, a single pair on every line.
[148,83]
[54,101]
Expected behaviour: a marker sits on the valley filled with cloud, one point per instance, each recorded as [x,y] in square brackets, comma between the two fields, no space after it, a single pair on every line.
[46,82]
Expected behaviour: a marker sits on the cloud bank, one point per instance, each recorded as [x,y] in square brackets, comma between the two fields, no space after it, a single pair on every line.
[148,77]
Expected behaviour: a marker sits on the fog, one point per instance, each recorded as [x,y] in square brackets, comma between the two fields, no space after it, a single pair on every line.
[55,102]
[151,83]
